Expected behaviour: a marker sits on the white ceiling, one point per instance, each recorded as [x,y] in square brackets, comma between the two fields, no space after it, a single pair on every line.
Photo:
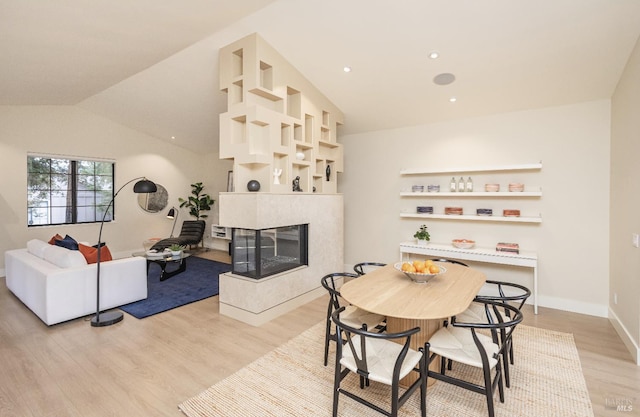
[152,64]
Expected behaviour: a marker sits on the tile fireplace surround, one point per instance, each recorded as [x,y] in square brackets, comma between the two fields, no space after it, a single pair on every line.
[257,301]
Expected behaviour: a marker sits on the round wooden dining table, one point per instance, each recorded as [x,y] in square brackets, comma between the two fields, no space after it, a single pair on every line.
[408,304]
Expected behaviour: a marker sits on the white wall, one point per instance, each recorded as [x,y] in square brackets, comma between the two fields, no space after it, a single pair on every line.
[625,205]
[573,144]
[70,131]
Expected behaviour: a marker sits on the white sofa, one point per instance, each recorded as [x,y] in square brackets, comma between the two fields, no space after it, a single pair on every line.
[58,285]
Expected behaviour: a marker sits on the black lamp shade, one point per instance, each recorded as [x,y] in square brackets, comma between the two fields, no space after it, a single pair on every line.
[145,186]
[172,213]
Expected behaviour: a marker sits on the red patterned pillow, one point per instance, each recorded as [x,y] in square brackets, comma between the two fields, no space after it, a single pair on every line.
[91,254]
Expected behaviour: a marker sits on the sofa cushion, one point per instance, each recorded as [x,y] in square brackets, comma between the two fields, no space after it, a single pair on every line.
[53,239]
[63,258]
[68,242]
[36,247]
[90,253]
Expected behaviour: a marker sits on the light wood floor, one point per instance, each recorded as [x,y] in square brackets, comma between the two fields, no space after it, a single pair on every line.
[147,367]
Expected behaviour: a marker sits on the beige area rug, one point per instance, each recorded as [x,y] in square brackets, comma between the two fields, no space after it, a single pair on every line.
[546,380]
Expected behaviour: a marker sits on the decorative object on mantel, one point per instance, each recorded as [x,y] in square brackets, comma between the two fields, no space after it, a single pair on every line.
[492,188]
[417,188]
[511,213]
[425,209]
[453,186]
[432,188]
[328,171]
[113,317]
[453,210]
[461,185]
[484,212]
[296,184]
[300,156]
[463,243]
[197,202]
[253,186]
[422,235]
[469,185]
[508,247]
[516,187]
[276,175]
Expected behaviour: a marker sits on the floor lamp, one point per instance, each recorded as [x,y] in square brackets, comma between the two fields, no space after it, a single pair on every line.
[173,214]
[112,317]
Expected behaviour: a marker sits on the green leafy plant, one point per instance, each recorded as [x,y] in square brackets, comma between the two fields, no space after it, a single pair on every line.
[175,247]
[422,233]
[197,202]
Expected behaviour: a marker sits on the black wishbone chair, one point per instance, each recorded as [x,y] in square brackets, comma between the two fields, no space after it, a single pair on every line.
[364,267]
[503,292]
[353,315]
[384,358]
[462,342]
[451,261]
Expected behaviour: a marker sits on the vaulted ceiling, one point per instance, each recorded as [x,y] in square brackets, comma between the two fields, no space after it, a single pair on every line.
[152,65]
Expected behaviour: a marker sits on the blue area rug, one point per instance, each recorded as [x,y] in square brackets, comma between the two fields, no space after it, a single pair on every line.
[198,282]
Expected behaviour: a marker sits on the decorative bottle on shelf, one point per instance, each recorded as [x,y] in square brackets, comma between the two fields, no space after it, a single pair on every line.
[469,185]
[453,185]
[461,185]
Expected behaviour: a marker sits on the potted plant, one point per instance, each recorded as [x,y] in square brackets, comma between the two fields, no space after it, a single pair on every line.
[422,235]
[176,249]
[197,202]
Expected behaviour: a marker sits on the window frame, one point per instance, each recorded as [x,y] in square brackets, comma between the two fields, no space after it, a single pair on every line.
[99,197]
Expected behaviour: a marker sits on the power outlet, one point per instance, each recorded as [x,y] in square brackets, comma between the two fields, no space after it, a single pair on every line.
[635,240]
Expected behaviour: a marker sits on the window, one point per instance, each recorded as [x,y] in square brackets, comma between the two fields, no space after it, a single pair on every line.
[66,191]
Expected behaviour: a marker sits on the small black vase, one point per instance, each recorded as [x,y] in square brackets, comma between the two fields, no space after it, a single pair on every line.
[253,185]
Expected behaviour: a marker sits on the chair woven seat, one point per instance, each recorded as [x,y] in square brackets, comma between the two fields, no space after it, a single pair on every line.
[356,317]
[457,344]
[381,357]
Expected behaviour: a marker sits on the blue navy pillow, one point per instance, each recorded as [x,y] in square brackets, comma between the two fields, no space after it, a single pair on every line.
[68,242]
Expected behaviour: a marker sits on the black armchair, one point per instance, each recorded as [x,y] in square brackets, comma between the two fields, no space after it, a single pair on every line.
[191,234]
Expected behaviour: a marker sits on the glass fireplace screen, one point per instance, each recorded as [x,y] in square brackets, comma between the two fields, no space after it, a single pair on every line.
[260,253]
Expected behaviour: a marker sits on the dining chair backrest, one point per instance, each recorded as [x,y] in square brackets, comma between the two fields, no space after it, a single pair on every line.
[505,292]
[382,357]
[451,261]
[330,283]
[364,267]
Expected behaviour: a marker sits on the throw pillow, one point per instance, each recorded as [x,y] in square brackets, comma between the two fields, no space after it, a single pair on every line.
[91,253]
[53,239]
[68,242]
[64,258]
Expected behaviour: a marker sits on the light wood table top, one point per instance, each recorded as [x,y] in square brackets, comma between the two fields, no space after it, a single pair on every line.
[391,293]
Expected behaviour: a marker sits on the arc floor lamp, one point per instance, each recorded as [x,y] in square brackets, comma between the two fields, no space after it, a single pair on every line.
[173,215]
[112,317]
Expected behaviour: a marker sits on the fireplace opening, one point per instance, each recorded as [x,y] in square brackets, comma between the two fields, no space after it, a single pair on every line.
[260,253]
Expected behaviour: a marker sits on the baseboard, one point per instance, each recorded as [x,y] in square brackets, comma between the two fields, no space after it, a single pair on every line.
[626,337]
[574,306]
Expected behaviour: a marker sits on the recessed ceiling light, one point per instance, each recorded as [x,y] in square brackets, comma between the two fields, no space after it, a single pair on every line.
[434,54]
[444,78]
[453,99]
[347,69]
[173,137]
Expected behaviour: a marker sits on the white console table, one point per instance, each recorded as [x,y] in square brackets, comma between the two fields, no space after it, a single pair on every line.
[524,259]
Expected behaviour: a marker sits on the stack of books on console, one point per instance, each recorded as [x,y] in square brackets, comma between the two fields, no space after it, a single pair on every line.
[508,247]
